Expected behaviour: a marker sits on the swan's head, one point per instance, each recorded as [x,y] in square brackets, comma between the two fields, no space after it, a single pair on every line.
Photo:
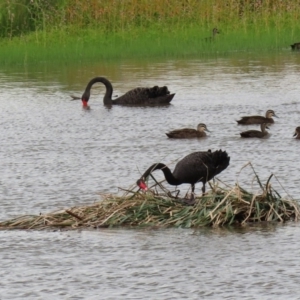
[142,185]
[85,99]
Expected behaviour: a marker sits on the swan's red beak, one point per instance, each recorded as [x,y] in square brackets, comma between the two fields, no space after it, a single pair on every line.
[84,103]
[142,185]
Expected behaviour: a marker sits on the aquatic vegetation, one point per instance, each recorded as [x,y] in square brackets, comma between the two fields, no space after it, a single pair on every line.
[222,206]
[58,46]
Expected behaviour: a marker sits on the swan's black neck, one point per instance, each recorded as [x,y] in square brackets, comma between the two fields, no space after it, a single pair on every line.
[167,172]
[109,89]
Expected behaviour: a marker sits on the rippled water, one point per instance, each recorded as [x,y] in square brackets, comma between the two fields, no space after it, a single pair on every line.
[56,155]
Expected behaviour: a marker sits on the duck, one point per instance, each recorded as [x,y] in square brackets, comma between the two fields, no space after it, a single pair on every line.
[297,133]
[188,133]
[139,96]
[295,46]
[199,166]
[256,133]
[214,32]
[248,120]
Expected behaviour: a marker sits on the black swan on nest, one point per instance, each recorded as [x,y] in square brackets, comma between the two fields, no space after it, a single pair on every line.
[138,96]
[195,167]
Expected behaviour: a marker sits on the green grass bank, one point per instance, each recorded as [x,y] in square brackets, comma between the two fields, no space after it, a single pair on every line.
[34,31]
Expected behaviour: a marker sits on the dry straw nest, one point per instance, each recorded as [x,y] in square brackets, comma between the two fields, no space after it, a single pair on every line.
[221,206]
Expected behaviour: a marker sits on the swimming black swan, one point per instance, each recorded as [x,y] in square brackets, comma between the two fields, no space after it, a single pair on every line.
[256,133]
[195,167]
[258,119]
[295,46]
[138,96]
[297,133]
[188,133]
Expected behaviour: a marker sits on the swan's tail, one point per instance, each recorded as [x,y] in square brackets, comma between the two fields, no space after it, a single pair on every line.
[157,91]
[221,160]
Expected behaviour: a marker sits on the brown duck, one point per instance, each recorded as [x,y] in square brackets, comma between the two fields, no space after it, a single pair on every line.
[188,133]
[295,46]
[297,133]
[138,96]
[214,32]
[248,120]
[195,167]
[256,133]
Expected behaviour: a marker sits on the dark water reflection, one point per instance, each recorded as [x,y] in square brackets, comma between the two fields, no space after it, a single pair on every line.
[56,155]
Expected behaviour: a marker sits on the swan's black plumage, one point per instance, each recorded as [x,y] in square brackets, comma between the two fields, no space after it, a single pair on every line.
[138,96]
[195,167]
[295,46]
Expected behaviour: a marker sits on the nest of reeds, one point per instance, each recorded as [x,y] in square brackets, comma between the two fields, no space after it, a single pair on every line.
[221,206]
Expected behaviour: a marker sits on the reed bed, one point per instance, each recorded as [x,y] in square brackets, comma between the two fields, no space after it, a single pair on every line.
[20,16]
[37,31]
[160,209]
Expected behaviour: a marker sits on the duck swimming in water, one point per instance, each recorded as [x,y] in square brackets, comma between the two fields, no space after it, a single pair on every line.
[214,32]
[295,46]
[248,120]
[256,133]
[297,133]
[188,133]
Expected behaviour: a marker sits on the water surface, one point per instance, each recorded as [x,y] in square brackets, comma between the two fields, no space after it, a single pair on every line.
[56,155]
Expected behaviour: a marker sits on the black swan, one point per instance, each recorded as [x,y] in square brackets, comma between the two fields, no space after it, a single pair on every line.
[188,133]
[195,167]
[295,46]
[297,133]
[258,119]
[138,96]
[256,133]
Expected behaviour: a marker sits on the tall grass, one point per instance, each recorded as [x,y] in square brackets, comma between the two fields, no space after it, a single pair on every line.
[20,16]
[40,30]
